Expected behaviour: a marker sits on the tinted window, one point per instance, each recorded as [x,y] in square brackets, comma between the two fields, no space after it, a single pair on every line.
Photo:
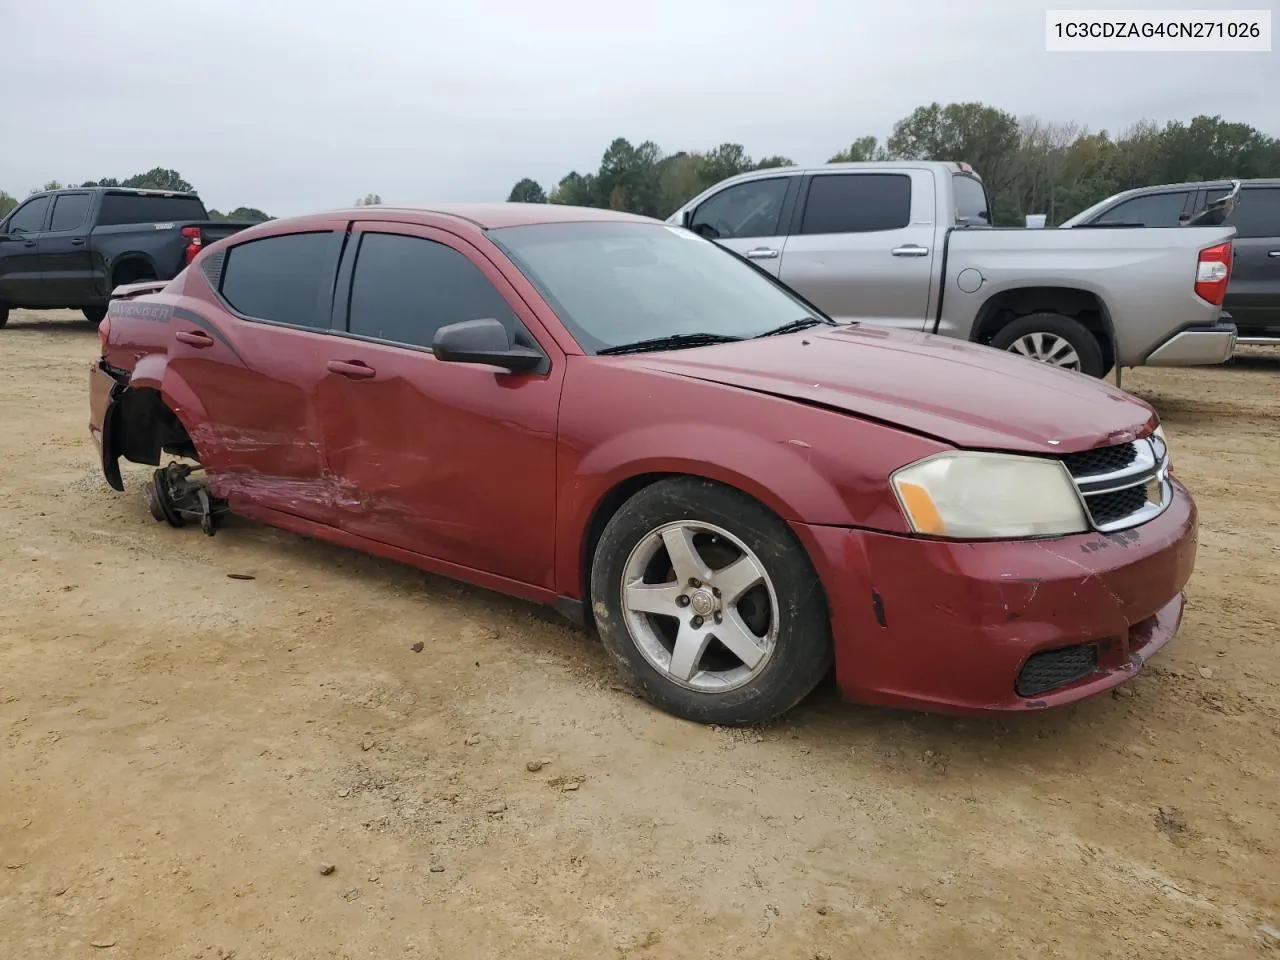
[743,210]
[285,279]
[971,200]
[406,288]
[29,218]
[857,203]
[616,283]
[1153,210]
[119,208]
[69,211]
[1257,212]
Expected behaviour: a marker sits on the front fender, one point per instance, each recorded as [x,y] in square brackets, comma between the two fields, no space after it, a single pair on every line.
[795,470]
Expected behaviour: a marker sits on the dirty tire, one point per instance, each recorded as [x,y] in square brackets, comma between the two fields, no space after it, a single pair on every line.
[4,315]
[94,314]
[1064,328]
[802,649]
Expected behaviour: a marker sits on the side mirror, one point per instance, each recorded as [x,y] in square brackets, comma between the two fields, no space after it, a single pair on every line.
[482,341]
[686,219]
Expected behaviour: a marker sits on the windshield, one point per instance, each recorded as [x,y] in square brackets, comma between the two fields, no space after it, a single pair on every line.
[616,283]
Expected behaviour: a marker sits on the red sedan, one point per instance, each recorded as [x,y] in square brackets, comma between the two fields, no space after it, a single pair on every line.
[621,419]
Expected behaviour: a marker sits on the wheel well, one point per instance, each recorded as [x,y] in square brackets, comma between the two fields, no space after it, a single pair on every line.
[609,505]
[144,427]
[132,270]
[1080,305]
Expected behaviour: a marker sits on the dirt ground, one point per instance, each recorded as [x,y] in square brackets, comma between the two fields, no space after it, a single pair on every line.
[183,752]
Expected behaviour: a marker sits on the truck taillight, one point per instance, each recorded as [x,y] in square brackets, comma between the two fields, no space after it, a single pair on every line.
[193,242]
[1212,273]
[104,331]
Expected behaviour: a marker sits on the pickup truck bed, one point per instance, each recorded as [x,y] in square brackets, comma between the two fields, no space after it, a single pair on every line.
[71,248]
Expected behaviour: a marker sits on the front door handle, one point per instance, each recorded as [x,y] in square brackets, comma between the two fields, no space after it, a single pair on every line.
[194,338]
[1273,253]
[761,253]
[28,243]
[910,250]
[77,242]
[351,369]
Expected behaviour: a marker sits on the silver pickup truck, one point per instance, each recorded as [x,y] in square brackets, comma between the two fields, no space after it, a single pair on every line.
[909,245]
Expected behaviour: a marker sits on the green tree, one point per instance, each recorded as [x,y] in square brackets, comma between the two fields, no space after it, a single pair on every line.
[575,190]
[159,178]
[7,203]
[104,182]
[370,200]
[860,151]
[771,163]
[527,191]
[680,179]
[248,213]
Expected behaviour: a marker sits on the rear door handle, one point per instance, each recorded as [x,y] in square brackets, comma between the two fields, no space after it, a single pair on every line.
[77,243]
[761,253]
[1273,253]
[194,338]
[910,250]
[28,243]
[351,369]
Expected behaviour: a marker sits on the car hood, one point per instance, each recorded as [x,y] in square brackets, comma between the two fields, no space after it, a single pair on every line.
[962,393]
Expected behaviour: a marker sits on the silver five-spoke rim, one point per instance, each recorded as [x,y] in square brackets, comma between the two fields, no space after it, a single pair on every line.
[700,606]
[1047,348]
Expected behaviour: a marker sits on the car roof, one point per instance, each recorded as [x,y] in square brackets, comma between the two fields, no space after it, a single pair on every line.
[486,216]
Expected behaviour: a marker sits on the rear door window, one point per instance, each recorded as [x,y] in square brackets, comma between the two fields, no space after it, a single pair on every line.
[69,211]
[285,279]
[406,288]
[125,208]
[29,218]
[1257,212]
[857,203]
[1152,210]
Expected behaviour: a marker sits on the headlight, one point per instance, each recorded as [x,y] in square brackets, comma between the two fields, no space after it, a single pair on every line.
[989,496]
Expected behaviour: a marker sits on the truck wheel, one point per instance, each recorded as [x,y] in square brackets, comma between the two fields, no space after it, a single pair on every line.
[1054,339]
[94,314]
[4,315]
[709,605]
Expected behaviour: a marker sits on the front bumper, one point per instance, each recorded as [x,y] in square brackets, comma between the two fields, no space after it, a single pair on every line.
[1196,346]
[953,627]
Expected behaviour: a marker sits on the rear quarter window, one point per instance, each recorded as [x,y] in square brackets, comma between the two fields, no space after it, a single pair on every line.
[285,279]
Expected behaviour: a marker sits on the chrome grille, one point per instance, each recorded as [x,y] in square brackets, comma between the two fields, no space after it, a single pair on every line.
[1122,485]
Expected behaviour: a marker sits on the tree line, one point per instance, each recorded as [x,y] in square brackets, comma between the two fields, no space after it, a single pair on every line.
[157,178]
[1030,166]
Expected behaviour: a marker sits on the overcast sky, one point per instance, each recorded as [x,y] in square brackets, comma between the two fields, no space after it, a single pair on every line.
[295,106]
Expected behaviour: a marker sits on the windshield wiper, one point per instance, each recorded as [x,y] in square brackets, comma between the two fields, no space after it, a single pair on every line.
[673,342]
[804,323]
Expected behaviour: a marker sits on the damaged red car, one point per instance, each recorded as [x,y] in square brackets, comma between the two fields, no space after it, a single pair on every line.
[621,419]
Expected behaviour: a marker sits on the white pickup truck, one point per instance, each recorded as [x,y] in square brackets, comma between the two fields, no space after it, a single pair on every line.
[909,245]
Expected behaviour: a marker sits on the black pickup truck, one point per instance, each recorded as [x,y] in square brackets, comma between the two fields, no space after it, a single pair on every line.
[71,248]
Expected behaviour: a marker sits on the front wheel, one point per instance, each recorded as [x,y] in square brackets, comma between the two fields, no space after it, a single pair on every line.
[709,605]
[1054,339]
[4,315]
[94,314]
